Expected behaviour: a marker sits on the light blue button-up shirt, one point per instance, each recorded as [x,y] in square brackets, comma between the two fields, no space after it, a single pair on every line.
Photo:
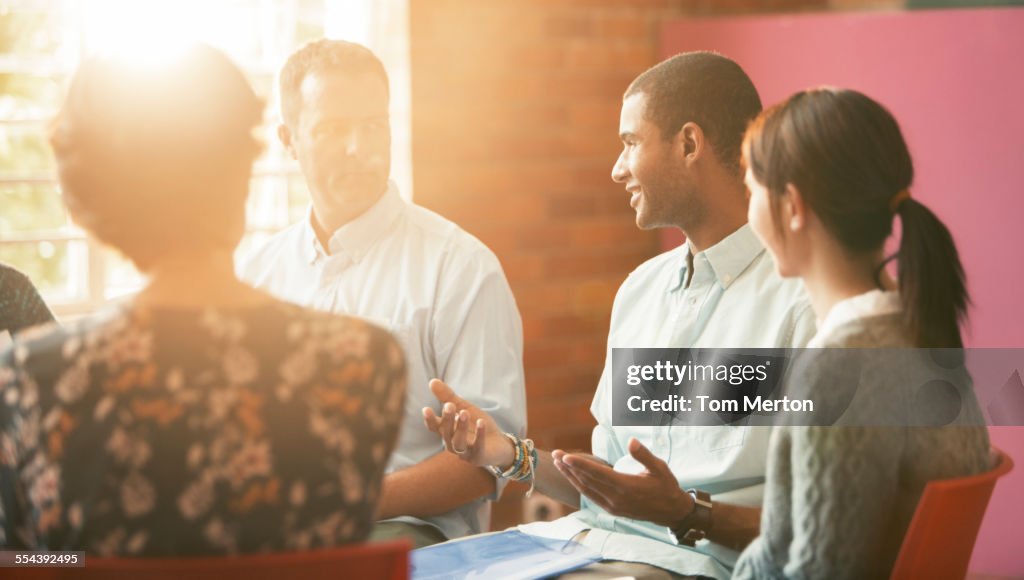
[735,299]
[439,290]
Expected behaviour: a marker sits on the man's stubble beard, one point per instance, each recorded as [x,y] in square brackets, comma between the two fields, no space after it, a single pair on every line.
[682,206]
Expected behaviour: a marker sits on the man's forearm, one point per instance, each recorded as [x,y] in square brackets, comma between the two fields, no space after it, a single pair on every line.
[734,526]
[547,479]
[552,483]
[433,487]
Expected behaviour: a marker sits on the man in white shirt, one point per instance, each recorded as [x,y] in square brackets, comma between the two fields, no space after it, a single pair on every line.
[365,251]
[681,126]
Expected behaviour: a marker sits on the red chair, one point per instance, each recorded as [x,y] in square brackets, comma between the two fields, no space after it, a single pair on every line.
[941,536]
[385,561]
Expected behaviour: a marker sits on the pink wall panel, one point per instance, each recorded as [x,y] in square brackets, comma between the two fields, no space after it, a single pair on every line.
[955,81]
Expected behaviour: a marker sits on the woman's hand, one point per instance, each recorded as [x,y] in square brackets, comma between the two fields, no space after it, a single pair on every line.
[468,432]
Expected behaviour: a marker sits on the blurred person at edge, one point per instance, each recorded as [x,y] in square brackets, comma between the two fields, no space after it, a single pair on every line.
[21,306]
[200,417]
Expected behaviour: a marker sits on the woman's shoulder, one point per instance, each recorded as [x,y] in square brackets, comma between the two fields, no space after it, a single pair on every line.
[848,346]
[52,337]
[301,320]
[340,336]
[878,331]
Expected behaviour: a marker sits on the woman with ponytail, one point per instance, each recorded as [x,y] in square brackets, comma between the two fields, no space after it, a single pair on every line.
[829,172]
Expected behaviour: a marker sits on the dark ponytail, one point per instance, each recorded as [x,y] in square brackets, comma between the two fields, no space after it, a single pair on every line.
[932,285]
[847,156]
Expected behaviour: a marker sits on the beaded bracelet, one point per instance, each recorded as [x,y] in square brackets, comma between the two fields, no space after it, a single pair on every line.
[524,465]
[516,464]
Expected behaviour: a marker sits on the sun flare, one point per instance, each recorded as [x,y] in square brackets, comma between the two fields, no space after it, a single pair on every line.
[154,31]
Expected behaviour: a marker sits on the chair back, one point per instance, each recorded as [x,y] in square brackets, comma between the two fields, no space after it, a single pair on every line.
[941,535]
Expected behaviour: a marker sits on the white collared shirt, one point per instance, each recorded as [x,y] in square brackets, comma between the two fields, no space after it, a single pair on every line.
[438,289]
[868,304]
[735,300]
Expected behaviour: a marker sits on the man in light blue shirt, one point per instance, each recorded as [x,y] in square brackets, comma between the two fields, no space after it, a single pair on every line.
[364,250]
[681,127]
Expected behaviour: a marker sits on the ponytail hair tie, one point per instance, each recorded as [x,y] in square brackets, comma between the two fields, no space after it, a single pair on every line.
[897,200]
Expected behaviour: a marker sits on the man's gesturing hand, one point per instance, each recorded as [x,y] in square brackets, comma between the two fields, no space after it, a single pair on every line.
[467,431]
[653,496]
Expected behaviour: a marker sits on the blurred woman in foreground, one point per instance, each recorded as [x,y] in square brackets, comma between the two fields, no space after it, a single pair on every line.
[201,417]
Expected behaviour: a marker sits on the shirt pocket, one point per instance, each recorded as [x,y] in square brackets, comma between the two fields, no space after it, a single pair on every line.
[721,437]
[418,368]
[404,333]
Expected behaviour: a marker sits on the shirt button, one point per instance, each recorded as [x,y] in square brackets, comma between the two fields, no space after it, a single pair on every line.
[693,301]
[727,278]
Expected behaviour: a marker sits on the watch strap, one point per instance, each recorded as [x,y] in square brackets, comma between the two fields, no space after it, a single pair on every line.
[697,524]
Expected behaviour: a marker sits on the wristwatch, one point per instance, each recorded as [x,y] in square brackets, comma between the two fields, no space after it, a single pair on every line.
[697,524]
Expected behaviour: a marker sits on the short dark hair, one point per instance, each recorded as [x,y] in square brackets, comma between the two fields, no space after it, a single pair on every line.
[705,88]
[324,55]
[152,160]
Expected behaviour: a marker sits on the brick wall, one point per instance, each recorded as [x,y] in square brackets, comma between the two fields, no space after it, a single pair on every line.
[515,122]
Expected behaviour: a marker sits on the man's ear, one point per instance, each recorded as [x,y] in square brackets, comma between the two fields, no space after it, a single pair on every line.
[691,142]
[284,133]
[794,209]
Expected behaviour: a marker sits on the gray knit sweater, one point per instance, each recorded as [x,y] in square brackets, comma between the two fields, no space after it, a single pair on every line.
[838,500]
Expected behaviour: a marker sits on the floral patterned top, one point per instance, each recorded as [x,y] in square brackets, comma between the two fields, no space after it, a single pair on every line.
[160,432]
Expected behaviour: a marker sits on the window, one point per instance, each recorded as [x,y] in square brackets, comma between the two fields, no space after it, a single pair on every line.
[41,43]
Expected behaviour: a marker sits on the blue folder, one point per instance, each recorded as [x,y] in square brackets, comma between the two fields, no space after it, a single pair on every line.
[510,554]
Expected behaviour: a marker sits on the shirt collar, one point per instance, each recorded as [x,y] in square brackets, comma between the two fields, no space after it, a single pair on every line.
[355,238]
[727,259]
[871,303]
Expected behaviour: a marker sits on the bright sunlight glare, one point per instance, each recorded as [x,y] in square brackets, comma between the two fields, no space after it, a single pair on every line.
[154,31]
